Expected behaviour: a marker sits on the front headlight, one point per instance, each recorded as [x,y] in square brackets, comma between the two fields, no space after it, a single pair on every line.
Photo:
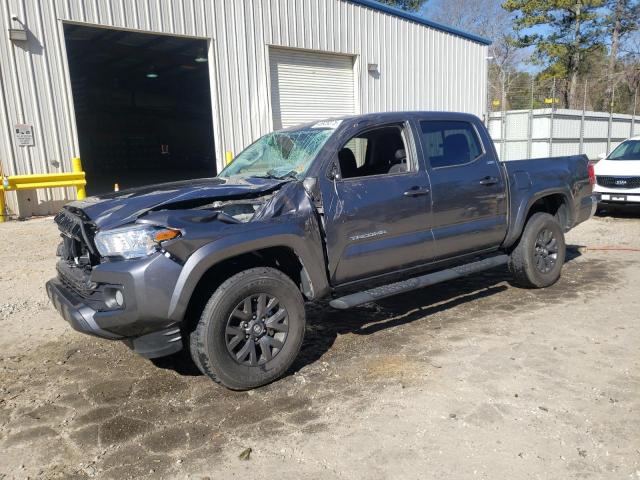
[132,242]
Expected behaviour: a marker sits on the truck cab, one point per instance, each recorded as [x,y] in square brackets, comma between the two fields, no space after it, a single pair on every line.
[418,190]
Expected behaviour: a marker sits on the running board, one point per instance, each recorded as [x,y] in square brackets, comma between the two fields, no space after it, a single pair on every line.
[384,291]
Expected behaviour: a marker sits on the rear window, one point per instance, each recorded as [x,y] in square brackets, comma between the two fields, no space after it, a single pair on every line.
[627,150]
[450,143]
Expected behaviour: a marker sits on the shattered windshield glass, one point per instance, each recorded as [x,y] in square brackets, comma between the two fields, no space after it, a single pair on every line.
[281,154]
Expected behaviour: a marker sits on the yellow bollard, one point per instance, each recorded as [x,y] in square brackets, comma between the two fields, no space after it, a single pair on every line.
[3,207]
[76,166]
[228,157]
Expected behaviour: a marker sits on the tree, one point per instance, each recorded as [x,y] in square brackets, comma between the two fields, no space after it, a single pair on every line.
[488,19]
[622,21]
[504,73]
[482,17]
[562,32]
[409,5]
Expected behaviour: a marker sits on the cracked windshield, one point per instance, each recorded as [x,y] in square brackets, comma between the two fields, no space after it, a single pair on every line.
[284,154]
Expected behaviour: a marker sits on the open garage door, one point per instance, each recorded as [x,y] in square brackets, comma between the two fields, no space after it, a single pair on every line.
[142,105]
[307,86]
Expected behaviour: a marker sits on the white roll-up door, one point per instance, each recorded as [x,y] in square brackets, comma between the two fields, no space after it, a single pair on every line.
[308,86]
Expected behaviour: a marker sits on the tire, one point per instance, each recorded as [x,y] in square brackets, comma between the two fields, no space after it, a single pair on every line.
[229,343]
[193,351]
[536,262]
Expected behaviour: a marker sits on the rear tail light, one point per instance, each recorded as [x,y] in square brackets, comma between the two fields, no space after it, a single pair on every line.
[592,174]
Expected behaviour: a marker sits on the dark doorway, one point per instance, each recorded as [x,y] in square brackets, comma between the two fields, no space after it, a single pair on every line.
[142,105]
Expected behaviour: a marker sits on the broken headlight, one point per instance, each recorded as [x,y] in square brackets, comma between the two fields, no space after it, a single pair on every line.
[132,242]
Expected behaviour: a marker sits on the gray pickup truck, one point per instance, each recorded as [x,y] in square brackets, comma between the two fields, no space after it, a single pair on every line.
[350,210]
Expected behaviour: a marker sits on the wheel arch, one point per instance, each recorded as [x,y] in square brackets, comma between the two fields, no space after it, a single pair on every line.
[555,202]
[211,266]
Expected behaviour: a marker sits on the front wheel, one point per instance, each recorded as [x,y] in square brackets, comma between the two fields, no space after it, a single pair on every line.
[251,330]
[536,262]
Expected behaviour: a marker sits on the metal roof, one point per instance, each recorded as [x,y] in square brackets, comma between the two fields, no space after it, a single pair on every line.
[418,19]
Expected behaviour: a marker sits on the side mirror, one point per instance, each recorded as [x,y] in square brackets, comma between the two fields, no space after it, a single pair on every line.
[602,156]
[334,173]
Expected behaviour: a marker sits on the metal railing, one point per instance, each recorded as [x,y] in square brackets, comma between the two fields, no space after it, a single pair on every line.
[76,179]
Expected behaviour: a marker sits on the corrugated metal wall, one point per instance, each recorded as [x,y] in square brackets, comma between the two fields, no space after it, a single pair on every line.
[538,133]
[419,67]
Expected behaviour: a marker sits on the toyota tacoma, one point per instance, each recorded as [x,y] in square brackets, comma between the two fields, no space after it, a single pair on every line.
[348,210]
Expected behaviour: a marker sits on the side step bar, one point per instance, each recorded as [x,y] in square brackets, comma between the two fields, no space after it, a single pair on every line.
[366,296]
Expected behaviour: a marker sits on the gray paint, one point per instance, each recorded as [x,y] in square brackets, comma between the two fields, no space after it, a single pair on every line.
[417,232]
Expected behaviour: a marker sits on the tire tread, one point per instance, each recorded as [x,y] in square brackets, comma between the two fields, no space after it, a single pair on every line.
[519,261]
[198,338]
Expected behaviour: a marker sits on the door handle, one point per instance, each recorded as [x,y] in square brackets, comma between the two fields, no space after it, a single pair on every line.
[488,181]
[416,191]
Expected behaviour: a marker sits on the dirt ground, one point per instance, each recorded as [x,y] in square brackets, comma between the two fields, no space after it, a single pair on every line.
[470,379]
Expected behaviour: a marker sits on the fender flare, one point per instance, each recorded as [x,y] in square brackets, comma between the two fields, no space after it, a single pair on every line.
[524,207]
[308,252]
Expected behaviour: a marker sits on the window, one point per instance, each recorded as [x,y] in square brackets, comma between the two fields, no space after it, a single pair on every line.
[280,154]
[627,150]
[450,143]
[378,151]
[358,146]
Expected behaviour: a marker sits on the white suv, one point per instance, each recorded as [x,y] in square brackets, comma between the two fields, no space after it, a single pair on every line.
[618,175]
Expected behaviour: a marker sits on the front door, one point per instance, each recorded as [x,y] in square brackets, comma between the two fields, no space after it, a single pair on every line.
[377,212]
[468,188]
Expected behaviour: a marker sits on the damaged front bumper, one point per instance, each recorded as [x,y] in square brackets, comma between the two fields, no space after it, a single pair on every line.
[141,321]
[73,310]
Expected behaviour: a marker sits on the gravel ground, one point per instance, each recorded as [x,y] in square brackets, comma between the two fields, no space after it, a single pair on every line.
[470,379]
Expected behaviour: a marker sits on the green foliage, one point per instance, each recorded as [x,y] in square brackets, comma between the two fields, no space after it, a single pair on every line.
[409,5]
[565,28]
[562,32]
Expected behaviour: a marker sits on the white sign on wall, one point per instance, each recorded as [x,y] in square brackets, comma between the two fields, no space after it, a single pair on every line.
[24,135]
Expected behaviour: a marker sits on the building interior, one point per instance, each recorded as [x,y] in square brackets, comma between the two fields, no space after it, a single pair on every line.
[143,107]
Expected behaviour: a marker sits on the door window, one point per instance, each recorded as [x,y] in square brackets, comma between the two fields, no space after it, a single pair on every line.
[378,151]
[358,145]
[450,143]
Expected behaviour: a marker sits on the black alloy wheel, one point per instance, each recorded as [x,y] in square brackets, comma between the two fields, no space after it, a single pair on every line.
[546,251]
[257,330]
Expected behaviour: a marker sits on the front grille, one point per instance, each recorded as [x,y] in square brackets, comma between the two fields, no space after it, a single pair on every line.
[76,238]
[76,259]
[618,182]
[77,280]
[69,224]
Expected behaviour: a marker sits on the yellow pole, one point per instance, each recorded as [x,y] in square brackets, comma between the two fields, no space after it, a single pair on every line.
[228,157]
[77,168]
[2,206]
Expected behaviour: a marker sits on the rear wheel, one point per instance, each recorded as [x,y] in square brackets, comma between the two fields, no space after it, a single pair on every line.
[537,260]
[251,330]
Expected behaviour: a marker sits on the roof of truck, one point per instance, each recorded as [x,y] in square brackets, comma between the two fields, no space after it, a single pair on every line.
[383,117]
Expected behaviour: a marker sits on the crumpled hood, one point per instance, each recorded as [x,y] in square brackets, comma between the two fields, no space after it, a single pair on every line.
[120,208]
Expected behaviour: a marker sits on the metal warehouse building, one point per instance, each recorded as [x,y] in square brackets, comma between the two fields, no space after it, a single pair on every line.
[157,90]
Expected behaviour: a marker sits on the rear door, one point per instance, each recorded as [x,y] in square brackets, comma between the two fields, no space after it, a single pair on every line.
[377,213]
[467,187]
